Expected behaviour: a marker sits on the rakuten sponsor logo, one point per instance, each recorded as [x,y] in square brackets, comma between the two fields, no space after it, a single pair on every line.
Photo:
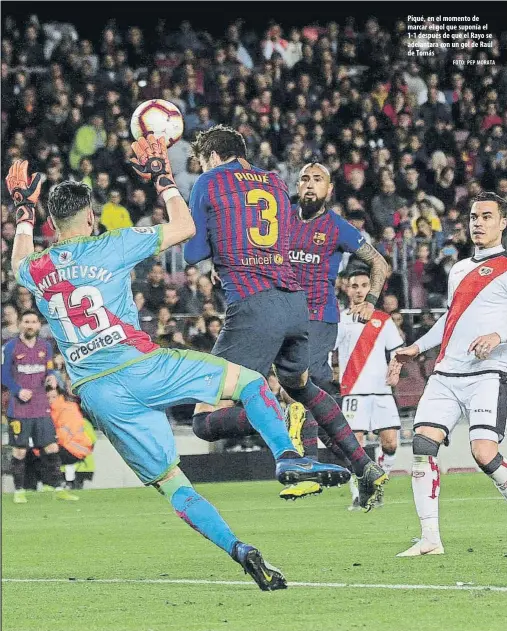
[300,256]
[105,339]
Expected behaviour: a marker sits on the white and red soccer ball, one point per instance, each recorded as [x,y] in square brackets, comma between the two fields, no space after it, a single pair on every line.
[158,117]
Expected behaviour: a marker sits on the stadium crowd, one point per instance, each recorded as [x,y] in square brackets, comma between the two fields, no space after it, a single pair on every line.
[408,140]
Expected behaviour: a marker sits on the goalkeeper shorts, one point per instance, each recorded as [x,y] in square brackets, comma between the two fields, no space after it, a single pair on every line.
[128,405]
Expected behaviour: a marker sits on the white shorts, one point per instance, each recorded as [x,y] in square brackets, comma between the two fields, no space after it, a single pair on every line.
[480,399]
[371,412]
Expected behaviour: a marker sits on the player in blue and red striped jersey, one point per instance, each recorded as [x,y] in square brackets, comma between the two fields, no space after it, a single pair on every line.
[82,286]
[27,367]
[243,221]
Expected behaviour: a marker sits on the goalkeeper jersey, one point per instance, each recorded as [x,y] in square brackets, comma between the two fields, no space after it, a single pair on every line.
[82,287]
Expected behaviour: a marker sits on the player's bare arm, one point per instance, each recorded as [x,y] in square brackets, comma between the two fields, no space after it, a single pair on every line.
[378,274]
[152,165]
[25,191]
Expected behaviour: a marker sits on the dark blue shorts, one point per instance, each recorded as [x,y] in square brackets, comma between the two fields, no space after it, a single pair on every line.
[41,430]
[322,338]
[268,328]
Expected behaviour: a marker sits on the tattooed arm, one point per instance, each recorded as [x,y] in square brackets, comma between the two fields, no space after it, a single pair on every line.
[378,274]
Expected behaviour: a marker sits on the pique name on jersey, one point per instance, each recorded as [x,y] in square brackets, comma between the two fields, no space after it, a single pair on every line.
[73,272]
[300,256]
[105,339]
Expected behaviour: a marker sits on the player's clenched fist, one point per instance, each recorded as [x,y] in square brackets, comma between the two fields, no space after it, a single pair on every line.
[151,162]
[24,190]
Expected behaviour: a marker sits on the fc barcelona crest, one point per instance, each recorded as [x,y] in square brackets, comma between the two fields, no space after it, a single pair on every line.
[485,271]
[319,238]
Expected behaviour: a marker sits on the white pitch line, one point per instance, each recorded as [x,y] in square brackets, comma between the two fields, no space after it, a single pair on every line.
[188,581]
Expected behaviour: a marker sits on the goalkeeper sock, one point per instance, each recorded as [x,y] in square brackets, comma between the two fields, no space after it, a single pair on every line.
[223,423]
[198,512]
[264,413]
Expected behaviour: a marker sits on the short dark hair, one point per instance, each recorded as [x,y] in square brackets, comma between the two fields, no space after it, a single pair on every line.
[67,199]
[210,319]
[30,312]
[226,141]
[358,271]
[488,196]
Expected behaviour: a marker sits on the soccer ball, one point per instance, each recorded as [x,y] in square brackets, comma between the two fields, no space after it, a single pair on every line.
[161,118]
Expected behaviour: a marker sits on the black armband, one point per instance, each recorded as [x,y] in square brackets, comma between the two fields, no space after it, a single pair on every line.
[371,298]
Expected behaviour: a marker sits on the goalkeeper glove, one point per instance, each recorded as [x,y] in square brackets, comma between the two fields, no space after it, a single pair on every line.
[24,191]
[151,162]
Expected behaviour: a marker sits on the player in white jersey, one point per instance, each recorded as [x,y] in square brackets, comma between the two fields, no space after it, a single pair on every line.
[368,402]
[470,377]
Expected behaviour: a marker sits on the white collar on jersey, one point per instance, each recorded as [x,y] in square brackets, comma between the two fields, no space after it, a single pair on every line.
[482,254]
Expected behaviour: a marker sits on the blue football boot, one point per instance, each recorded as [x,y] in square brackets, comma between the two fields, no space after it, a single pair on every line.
[294,470]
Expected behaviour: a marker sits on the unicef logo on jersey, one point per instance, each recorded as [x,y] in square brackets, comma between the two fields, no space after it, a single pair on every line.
[64,259]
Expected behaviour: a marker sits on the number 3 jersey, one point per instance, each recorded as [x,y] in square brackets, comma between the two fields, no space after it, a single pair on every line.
[362,352]
[82,287]
[242,216]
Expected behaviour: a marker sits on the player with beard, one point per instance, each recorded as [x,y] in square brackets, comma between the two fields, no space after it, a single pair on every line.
[243,220]
[317,241]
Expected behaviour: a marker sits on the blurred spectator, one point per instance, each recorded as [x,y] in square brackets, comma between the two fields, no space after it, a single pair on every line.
[114,215]
[154,288]
[10,322]
[147,319]
[394,283]
[205,341]
[186,180]
[208,293]
[188,293]
[390,303]
[88,140]
[385,204]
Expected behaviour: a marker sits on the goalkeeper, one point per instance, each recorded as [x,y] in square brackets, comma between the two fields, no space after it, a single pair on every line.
[125,381]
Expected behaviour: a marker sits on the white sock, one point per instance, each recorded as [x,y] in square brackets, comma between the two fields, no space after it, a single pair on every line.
[426,489]
[353,487]
[499,477]
[70,472]
[386,461]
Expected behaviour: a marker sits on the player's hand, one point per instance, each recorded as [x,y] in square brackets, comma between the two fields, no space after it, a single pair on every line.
[484,344]
[407,353]
[25,395]
[215,278]
[362,312]
[51,381]
[151,162]
[24,190]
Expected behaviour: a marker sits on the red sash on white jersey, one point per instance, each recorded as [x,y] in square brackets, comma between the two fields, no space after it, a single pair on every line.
[362,349]
[468,289]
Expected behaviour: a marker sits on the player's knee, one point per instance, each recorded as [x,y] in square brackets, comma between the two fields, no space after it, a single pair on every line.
[389,446]
[172,484]
[425,446]
[296,381]
[245,378]
[484,452]
[200,426]
[19,453]
[52,448]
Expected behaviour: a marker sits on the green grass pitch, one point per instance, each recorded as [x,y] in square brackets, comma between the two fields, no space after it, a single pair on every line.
[133,534]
